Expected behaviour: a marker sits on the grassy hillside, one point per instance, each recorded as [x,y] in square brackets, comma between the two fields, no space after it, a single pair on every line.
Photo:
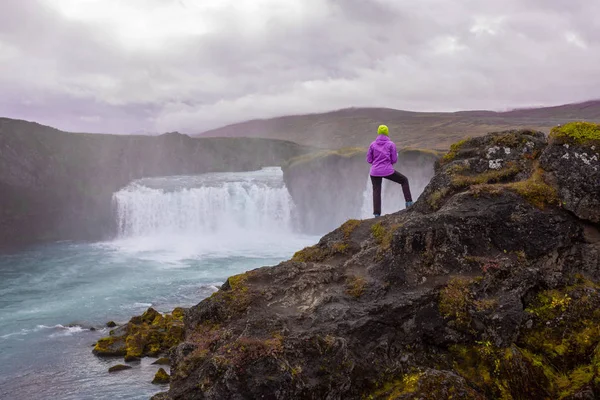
[355,127]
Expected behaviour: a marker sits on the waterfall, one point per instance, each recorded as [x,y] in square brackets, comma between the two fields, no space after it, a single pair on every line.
[209,204]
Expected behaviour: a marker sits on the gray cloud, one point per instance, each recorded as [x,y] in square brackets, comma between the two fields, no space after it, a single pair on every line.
[152,67]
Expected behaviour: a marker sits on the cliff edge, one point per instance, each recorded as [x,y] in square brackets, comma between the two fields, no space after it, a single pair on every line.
[487,288]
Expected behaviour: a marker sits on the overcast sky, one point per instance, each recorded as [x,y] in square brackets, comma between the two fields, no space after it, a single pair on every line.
[191,65]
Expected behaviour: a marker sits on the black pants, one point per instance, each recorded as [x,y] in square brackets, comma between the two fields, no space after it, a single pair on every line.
[395,177]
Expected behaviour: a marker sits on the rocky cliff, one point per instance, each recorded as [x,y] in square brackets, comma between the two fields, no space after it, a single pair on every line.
[57,186]
[487,288]
[328,187]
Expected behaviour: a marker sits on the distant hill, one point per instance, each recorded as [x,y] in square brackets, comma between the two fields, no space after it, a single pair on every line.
[58,185]
[356,126]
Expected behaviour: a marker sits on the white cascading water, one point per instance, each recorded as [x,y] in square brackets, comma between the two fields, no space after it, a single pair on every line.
[206,213]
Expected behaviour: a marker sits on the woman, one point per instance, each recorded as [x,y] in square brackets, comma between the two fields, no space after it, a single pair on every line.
[382,156]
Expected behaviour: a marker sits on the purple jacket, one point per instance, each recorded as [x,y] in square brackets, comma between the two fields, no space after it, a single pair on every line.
[382,156]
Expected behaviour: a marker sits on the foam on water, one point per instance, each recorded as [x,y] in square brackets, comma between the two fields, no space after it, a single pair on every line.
[179,239]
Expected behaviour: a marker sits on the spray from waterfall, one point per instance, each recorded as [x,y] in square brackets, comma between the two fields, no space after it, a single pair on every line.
[234,212]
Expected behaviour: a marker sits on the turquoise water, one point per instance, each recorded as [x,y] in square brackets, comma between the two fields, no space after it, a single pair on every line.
[179,239]
[45,290]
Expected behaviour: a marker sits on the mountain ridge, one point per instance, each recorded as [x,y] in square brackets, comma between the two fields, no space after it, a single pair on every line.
[351,127]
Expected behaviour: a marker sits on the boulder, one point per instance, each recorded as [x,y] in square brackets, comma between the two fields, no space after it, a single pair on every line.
[161,377]
[119,367]
[150,334]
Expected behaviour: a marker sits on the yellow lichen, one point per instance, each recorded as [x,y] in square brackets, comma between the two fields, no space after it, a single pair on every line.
[580,133]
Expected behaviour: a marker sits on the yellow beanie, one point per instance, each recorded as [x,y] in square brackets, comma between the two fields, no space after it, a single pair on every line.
[383,130]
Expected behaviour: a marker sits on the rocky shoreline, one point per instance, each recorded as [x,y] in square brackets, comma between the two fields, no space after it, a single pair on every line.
[489,287]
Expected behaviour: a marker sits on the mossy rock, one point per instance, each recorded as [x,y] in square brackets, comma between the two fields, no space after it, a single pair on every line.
[150,334]
[178,313]
[578,133]
[110,347]
[162,361]
[119,367]
[557,354]
[150,315]
[111,324]
[427,385]
[161,377]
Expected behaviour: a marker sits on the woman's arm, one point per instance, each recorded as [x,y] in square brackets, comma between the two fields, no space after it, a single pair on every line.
[394,155]
[370,155]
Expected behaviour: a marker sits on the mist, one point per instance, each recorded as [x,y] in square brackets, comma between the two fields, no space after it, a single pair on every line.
[188,66]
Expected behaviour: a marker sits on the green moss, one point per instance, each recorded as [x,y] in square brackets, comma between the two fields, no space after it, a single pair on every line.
[178,313]
[579,133]
[355,286]
[557,353]
[383,235]
[150,334]
[478,190]
[245,350]
[349,227]
[454,149]
[456,299]
[235,297]
[436,198]
[501,373]
[319,253]
[161,377]
[458,168]
[395,389]
[310,254]
[237,282]
[510,140]
[491,176]
[485,304]
[340,248]
[535,190]
[110,347]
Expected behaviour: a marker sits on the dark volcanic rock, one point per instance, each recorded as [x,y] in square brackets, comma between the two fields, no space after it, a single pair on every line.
[119,367]
[576,171]
[487,288]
